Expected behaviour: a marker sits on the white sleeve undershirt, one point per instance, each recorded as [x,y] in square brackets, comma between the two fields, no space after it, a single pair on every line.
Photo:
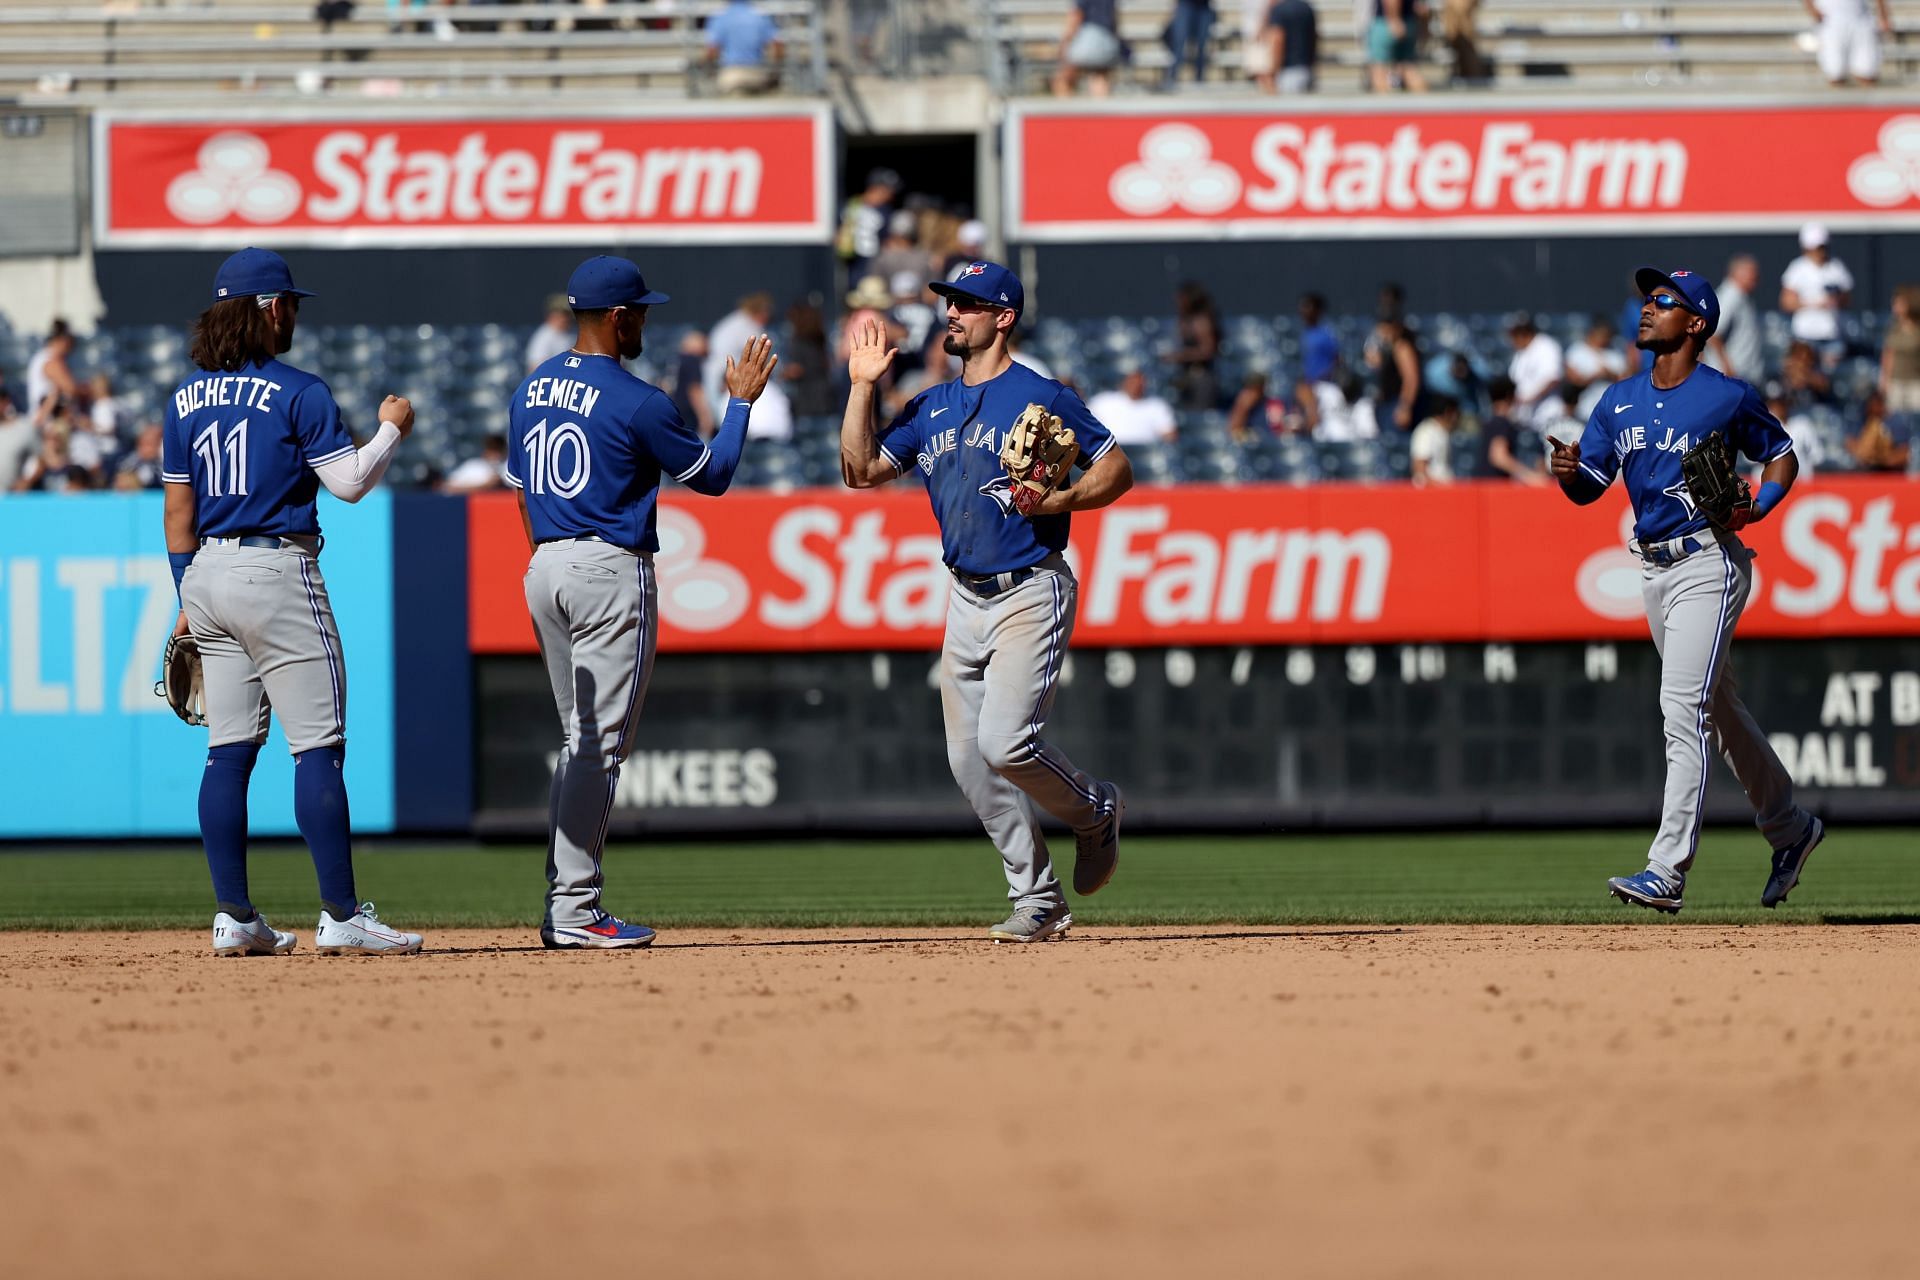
[352,476]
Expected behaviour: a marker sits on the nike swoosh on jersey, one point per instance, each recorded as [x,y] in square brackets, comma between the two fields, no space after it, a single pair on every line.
[1621,408]
[937,412]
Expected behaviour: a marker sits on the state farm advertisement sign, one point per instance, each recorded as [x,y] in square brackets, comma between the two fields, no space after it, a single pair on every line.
[1542,170]
[827,569]
[367,180]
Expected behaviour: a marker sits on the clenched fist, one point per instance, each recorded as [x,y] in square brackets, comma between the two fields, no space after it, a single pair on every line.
[399,411]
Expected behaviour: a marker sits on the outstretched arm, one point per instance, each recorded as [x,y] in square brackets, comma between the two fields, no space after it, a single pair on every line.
[862,466]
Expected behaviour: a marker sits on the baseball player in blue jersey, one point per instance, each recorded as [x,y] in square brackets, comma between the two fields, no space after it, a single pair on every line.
[1695,576]
[248,441]
[587,447]
[1010,611]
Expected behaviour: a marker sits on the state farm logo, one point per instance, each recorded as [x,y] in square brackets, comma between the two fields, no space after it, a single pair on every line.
[233,180]
[696,594]
[1176,167]
[1891,175]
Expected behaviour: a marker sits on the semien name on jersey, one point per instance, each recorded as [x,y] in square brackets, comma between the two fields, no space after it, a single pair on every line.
[562,393]
[238,389]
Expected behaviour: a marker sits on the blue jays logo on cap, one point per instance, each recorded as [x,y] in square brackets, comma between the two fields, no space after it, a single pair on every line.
[974,269]
[987,282]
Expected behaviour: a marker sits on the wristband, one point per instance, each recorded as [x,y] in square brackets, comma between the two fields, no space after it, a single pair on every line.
[178,562]
[1768,498]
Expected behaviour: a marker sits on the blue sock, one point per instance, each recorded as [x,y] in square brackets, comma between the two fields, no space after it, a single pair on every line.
[223,823]
[320,807]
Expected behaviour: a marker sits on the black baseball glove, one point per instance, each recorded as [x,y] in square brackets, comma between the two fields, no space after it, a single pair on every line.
[1717,489]
[180,681]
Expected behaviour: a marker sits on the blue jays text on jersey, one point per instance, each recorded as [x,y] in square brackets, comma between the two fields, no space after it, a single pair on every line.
[953,433]
[588,443]
[248,443]
[1639,432]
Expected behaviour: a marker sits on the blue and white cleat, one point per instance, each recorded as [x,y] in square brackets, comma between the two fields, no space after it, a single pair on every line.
[1648,889]
[1787,864]
[604,934]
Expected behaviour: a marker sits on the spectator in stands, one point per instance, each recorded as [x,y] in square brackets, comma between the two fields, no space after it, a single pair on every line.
[1017,350]
[1815,288]
[870,301]
[1253,409]
[1393,44]
[1319,344]
[1849,40]
[1800,428]
[482,473]
[1090,46]
[1595,363]
[1806,383]
[1188,33]
[1900,359]
[1133,416]
[969,246]
[749,319]
[1460,32]
[1339,410]
[554,335]
[1734,349]
[1394,359]
[53,470]
[772,415]
[1431,446]
[1289,48]
[1500,436]
[50,383]
[86,448]
[1454,373]
[1877,446]
[1560,415]
[139,467]
[914,312]
[1197,338]
[1536,368]
[686,383]
[806,366]
[745,44]
[1256,61]
[900,252]
[864,222]
[19,441]
[104,409]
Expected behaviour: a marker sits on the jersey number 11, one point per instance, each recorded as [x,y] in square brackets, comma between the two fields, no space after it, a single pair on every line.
[232,479]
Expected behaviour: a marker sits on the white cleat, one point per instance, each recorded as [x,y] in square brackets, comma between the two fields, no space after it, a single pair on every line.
[362,934]
[254,938]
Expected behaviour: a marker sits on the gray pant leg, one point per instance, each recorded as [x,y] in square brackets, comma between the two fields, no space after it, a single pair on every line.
[1692,610]
[1004,810]
[236,700]
[593,609]
[269,621]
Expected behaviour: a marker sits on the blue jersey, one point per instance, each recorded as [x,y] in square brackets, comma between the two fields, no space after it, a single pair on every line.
[248,443]
[953,432]
[1639,432]
[588,443]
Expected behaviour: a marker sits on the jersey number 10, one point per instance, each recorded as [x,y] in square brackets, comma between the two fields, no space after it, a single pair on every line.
[558,460]
[232,478]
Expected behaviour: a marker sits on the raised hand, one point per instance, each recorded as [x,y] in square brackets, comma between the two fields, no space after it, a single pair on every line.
[868,354]
[747,373]
[1565,460]
[399,411]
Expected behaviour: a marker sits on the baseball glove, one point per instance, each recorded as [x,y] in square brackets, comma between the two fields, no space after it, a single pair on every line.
[1037,452]
[180,680]
[1717,489]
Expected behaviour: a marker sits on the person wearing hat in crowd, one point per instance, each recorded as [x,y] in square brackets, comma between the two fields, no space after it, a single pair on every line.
[864,221]
[588,447]
[1814,289]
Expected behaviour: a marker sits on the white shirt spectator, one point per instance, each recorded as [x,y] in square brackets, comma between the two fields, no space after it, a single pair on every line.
[772,415]
[1536,369]
[476,475]
[727,340]
[1597,368]
[39,385]
[546,343]
[1806,445]
[1818,285]
[1433,444]
[1341,421]
[1145,420]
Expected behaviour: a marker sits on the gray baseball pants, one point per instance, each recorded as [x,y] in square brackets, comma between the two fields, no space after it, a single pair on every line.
[1692,609]
[594,613]
[268,643]
[999,669]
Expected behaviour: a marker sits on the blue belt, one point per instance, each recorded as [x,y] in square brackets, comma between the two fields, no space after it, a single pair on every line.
[1670,552]
[992,584]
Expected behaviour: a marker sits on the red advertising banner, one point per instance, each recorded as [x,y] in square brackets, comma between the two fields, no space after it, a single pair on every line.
[352,180]
[1198,565]
[1541,169]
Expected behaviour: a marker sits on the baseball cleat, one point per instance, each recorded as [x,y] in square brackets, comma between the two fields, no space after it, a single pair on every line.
[1034,922]
[362,934]
[605,933]
[1648,889]
[1788,862]
[254,938]
[1097,850]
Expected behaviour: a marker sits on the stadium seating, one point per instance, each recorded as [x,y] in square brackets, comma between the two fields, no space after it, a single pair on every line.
[460,377]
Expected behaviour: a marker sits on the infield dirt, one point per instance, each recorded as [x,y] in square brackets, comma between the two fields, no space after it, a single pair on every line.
[1222,1102]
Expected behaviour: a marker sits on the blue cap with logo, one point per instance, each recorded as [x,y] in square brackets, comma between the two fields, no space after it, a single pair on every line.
[987,282]
[252,272]
[602,282]
[1691,288]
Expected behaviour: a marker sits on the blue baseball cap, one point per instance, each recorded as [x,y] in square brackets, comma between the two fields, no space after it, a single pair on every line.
[604,282]
[987,282]
[252,272]
[1690,287]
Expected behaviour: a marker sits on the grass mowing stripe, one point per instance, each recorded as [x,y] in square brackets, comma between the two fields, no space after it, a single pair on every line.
[1867,876]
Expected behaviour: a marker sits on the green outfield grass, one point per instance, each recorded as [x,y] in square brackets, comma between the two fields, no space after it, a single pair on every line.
[1864,876]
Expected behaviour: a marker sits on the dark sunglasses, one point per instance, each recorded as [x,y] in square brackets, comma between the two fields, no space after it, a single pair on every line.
[1667,301]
